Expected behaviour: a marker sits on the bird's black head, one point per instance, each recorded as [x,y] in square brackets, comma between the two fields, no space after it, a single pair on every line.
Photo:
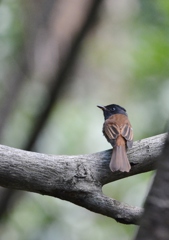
[111,109]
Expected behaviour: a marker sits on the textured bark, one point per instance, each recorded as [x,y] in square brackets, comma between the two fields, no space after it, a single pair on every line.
[78,179]
[155,221]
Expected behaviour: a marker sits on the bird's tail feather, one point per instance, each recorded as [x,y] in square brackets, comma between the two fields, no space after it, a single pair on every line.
[119,160]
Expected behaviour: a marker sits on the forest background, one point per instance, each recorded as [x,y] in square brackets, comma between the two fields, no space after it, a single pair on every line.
[122,59]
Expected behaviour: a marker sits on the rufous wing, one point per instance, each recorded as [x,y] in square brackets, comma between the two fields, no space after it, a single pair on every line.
[127,133]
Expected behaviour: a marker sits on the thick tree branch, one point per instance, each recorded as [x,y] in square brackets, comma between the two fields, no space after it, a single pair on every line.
[78,179]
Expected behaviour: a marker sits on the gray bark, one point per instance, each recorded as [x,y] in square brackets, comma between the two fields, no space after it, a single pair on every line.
[155,221]
[78,179]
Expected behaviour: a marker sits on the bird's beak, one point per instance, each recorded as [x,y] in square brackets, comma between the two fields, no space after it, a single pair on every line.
[102,107]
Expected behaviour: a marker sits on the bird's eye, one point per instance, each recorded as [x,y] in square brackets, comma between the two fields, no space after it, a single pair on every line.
[114,109]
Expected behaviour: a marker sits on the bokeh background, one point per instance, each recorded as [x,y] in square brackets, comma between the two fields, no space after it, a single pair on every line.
[123,59]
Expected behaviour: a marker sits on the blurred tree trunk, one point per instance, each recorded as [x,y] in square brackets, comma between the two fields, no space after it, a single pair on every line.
[54,31]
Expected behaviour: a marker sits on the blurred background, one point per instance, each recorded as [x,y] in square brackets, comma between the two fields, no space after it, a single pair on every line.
[58,60]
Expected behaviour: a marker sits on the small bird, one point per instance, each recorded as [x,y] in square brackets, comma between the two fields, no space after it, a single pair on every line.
[118,131]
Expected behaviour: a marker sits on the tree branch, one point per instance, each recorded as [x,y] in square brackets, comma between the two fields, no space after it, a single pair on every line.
[78,179]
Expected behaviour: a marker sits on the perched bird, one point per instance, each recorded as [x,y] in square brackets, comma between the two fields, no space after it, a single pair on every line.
[118,131]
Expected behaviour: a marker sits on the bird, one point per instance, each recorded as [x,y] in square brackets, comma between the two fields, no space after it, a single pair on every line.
[119,133]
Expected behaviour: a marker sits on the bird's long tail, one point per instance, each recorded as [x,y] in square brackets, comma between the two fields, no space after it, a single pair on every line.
[119,160]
